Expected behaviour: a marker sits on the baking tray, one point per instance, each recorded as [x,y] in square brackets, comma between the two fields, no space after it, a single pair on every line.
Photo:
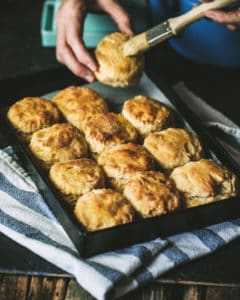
[91,243]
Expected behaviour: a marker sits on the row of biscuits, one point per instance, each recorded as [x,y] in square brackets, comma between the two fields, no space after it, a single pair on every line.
[129,168]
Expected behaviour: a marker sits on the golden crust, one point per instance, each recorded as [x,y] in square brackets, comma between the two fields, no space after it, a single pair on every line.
[204,181]
[58,143]
[115,69]
[152,194]
[173,147]
[79,104]
[32,113]
[77,177]
[103,208]
[146,114]
[107,129]
[121,162]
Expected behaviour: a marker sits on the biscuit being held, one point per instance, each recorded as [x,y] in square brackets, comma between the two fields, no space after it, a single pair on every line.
[146,114]
[74,178]
[107,129]
[173,147]
[103,208]
[78,104]
[204,181]
[115,69]
[152,194]
[31,114]
[121,163]
[57,143]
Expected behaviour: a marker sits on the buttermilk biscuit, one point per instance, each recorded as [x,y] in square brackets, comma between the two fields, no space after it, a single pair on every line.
[76,177]
[103,208]
[173,147]
[146,114]
[152,194]
[121,162]
[204,181]
[115,69]
[31,114]
[57,143]
[108,129]
[79,104]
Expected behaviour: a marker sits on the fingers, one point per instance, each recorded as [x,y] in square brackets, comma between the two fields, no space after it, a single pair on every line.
[119,16]
[232,27]
[69,59]
[231,18]
[70,49]
[78,48]
[222,17]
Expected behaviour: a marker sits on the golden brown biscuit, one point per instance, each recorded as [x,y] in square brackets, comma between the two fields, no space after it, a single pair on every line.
[103,208]
[121,162]
[57,143]
[204,181]
[76,177]
[108,129]
[115,69]
[78,104]
[152,194]
[173,147]
[31,114]
[146,114]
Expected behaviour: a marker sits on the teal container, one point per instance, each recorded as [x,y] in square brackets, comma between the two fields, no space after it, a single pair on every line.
[96,26]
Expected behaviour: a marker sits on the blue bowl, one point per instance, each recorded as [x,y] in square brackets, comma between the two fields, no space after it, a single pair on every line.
[204,41]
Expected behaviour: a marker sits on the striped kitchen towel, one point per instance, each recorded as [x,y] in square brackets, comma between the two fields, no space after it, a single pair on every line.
[25,218]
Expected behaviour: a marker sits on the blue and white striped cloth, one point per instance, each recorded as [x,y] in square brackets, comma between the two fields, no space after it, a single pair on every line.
[25,218]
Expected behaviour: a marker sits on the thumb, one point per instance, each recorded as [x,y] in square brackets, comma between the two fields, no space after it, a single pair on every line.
[119,16]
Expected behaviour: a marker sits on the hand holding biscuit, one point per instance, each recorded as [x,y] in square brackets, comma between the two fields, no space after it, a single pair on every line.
[70,49]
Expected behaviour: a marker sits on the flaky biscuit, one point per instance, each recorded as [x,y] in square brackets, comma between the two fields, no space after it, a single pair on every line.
[76,177]
[115,69]
[173,147]
[78,104]
[31,114]
[152,194]
[204,181]
[120,163]
[57,143]
[108,129]
[103,208]
[146,114]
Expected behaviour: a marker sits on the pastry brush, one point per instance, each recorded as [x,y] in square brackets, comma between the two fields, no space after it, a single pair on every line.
[171,27]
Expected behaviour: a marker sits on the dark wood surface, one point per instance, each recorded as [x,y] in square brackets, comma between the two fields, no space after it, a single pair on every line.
[25,275]
[35,288]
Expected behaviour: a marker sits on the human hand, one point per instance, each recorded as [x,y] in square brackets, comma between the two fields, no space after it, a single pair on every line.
[229,18]
[70,49]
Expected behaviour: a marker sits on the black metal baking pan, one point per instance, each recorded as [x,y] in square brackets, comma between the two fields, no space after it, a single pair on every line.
[91,243]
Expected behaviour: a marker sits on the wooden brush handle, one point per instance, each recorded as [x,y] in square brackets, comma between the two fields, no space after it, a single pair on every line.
[178,23]
[139,43]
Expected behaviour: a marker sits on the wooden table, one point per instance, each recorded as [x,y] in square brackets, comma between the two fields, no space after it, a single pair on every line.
[23,275]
